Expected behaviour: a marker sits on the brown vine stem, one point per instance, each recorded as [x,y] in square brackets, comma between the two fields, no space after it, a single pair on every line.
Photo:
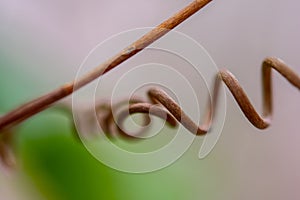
[170,109]
[37,105]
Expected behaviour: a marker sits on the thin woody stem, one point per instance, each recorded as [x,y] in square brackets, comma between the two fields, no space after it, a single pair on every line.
[37,105]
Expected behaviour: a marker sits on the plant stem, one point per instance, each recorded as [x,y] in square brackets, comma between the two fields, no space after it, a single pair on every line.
[37,105]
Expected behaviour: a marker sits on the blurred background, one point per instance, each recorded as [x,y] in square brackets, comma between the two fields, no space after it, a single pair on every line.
[44,42]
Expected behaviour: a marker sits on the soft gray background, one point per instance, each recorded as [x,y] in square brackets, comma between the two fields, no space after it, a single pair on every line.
[49,40]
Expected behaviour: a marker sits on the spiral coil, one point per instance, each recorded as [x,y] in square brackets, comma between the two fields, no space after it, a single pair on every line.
[163,106]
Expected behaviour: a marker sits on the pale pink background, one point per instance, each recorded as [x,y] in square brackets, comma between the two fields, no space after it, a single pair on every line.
[52,35]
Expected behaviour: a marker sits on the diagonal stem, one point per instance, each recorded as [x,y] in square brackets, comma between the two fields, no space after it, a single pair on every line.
[37,105]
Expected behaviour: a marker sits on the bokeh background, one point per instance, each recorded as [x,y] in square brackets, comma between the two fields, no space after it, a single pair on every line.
[44,42]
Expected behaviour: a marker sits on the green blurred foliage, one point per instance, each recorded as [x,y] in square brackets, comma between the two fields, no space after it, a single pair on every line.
[54,159]
[59,167]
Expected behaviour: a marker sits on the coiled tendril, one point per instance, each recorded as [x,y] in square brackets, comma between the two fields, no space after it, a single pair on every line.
[161,104]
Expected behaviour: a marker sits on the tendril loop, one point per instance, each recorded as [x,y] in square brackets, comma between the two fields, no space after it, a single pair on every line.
[163,106]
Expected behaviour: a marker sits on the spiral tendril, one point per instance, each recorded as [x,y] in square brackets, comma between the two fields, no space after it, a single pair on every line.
[163,106]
